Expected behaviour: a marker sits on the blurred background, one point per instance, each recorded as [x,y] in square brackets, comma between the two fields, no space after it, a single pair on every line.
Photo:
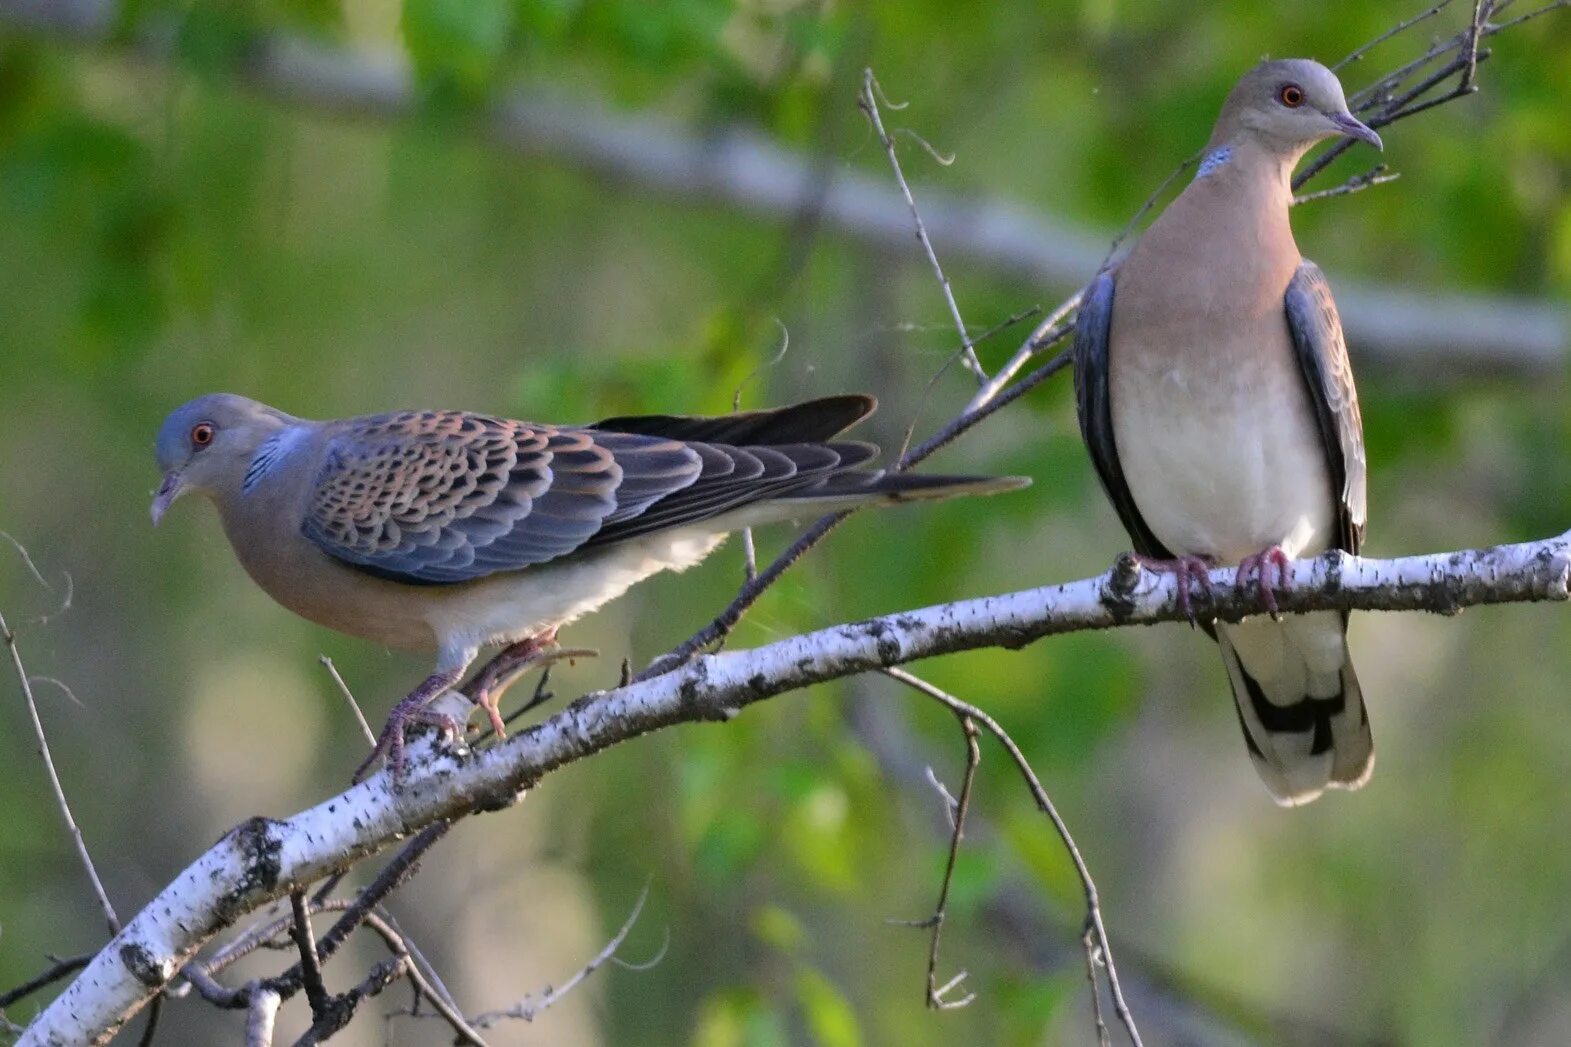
[348,226]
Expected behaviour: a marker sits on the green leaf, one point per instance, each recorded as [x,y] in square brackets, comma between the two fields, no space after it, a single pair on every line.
[829,1016]
[457,46]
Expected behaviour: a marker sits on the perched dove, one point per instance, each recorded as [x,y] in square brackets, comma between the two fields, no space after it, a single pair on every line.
[453,531]
[1217,403]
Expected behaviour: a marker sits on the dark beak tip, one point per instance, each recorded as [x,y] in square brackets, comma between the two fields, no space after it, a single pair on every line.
[1353,127]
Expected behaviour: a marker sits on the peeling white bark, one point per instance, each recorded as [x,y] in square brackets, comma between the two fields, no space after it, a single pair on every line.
[263,859]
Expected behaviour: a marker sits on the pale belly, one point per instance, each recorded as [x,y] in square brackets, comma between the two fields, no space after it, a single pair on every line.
[510,607]
[1227,466]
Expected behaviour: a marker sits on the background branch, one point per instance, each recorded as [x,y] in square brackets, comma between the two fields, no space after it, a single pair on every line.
[748,171]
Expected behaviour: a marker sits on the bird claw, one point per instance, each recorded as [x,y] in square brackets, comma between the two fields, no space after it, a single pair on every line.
[1194,572]
[501,672]
[1259,565]
[413,708]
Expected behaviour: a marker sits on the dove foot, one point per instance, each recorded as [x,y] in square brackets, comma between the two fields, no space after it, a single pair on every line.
[501,672]
[1194,574]
[1260,566]
[411,710]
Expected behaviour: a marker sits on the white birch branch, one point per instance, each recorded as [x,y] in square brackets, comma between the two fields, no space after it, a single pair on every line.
[748,171]
[264,859]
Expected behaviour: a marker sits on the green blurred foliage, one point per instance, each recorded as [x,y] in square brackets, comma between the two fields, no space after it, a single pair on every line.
[164,232]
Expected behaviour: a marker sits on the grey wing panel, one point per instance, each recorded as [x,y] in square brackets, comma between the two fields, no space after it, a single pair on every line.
[1094,408]
[1328,374]
[447,497]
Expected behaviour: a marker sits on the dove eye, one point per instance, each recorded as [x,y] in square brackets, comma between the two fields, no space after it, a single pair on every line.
[1290,95]
[202,434]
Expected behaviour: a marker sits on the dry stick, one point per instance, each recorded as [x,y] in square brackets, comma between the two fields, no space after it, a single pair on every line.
[332,1022]
[263,935]
[349,697]
[59,969]
[1388,109]
[1401,27]
[1087,940]
[260,1017]
[749,550]
[110,918]
[1376,175]
[927,390]
[1497,27]
[871,92]
[958,809]
[527,1009]
[1053,327]
[155,1010]
[1045,804]
[316,993]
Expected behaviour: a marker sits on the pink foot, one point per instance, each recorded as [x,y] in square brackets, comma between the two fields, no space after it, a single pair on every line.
[492,681]
[411,709]
[1260,566]
[1194,572]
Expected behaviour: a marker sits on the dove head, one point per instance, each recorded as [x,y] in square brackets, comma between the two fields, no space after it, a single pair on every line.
[1288,106]
[206,445]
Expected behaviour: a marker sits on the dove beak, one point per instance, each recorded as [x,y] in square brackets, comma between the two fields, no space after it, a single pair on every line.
[172,487]
[1348,124]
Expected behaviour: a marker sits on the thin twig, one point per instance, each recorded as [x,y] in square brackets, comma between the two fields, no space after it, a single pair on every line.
[749,550]
[927,390]
[260,1017]
[1088,940]
[104,905]
[1403,26]
[871,92]
[1497,27]
[57,970]
[527,1008]
[155,1010]
[354,706]
[1045,804]
[937,995]
[316,993]
[332,1021]
[1053,327]
[1376,175]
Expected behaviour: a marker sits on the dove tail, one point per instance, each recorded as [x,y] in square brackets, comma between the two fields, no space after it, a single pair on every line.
[880,488]
[1299,703]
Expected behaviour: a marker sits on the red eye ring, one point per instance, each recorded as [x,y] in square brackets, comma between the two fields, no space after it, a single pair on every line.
[1290,95]
[202,434]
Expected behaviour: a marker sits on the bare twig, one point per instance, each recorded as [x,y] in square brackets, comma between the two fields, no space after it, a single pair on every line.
[57,970]
[1093,961]
[1403,26]
[927,390]
[316,993]
[957,809]
[260,1017]
[529,1007]
[1044,803]
[749,550]
[349,697]
[1049,332]
[331,1021]
[1376,175]
[99,893]
[872,91]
